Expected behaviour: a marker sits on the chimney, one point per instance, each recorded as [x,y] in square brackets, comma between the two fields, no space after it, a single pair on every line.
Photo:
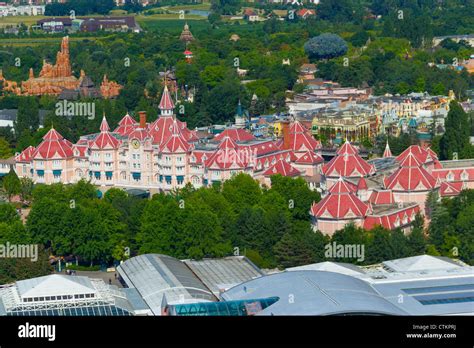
[285,128]
[142,119]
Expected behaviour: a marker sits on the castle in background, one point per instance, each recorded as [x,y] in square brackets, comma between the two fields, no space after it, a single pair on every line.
[58,80]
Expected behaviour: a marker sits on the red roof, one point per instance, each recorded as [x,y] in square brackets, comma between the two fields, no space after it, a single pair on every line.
[283,168]
[166,102]
[176,142]
[261,148]
[423,155]
[80,149]
[449,189]
[347,163]
[161,130]
[266,161]
[126,125]
[392,218]
[301,139]
[105,139]
[454,174]
[382,197]
[387,152]
[236,134]
[309,157]
[53,146]
[25,155]
[411,176]
[342,186]
[305,12]
[104,126]
[139,133]
[347,148]
[362,184]
[228,156]
[340,203]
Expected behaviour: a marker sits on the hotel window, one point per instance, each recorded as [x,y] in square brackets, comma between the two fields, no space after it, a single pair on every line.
[450,177]
[108,155]
[24,169]
[464,176]
[133,156]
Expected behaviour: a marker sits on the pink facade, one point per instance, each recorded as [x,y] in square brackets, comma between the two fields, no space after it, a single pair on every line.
[165,155]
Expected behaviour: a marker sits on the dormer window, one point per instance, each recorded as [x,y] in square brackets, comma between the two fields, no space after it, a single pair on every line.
[450,176]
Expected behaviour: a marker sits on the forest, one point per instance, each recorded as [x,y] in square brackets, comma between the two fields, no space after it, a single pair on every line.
[272,227]
[388,62]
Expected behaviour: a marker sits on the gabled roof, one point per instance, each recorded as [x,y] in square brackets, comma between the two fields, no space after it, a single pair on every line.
[53,146]
[309,157]
[228,156]
[126,125]
[423,155]
[26,154]
[449,189]
[301,139]
[347,148]
[340,203]
[237,134]
[105,139]
[411,176]
[161,129]
[348,163]
[139,133]
[362,184]
[283,168]
[393,218]
[381,197]
[176,142]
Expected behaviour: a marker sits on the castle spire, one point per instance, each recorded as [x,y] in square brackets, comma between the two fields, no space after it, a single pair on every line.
[104,126]
[387,152]
[166,104]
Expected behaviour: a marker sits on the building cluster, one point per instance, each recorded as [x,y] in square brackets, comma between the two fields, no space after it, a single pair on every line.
[154,284]
[88,24]
[21,10]
[338,113]
[164,155]
[58,80]
[388,191]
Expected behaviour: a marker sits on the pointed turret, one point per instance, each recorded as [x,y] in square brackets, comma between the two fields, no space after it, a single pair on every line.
[387,152]
[166,104]
[104,126]
[239,116]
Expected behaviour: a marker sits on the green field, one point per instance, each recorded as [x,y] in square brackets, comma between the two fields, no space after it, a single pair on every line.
[15,20]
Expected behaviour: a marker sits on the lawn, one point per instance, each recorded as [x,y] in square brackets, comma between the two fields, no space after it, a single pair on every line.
[15,20]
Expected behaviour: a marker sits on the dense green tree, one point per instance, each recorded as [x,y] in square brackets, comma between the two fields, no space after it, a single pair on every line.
[325,46]
[456,137]
[11,184]
[5,149]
